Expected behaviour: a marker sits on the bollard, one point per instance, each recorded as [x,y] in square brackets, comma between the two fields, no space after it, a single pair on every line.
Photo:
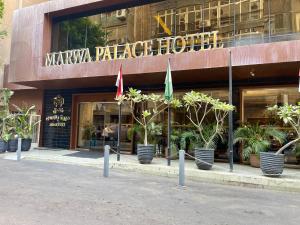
[106,161]
[19,150]
[181,168]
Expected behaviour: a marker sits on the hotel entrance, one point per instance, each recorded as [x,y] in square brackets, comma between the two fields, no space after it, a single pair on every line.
[97,124]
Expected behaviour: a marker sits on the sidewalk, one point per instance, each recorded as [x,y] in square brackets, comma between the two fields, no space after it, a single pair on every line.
[243,175]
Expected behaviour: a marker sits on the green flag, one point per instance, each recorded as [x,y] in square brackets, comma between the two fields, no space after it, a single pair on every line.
[168,84]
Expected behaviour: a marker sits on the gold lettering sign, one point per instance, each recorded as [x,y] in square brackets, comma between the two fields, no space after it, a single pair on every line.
[164,46]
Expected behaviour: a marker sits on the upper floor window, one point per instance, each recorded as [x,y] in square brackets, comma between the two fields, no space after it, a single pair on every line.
[189,18]
[165,21]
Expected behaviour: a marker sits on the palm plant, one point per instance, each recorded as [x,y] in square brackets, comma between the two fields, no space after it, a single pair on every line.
[5,116]
[191,139]
[24,125]
[256,138]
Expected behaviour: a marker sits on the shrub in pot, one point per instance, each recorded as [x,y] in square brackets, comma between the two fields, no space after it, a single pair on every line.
[25,126]
[5,134]
[256,139]
[199,108]
[89,132]
[150,105]
[137,133]
[272,163]
[297,152]
[4,138]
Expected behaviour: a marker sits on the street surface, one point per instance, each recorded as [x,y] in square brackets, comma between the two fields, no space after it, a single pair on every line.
[38,193]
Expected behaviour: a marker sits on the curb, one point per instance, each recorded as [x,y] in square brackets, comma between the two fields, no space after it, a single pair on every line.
[216,177]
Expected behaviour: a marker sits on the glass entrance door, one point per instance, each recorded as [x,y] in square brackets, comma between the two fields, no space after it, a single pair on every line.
[98,125]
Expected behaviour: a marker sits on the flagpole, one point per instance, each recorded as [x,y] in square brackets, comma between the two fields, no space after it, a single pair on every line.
[119,84]
[169,96]
[169,135]
[119,132]
[230,116]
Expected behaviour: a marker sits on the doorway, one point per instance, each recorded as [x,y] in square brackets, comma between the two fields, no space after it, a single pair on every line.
[98,125]
[95,120]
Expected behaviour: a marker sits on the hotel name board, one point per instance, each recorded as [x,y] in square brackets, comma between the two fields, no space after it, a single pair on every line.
[159,46]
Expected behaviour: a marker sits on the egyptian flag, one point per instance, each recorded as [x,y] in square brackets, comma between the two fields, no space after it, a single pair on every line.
[119,83]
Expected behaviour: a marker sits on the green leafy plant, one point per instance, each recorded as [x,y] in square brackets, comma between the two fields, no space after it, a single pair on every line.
[89,131]
[2,33]
[24,125]
[290,115]
[5,117]
[151,106]
[137,131]
[75,30]
[296,149]
[199,107]
[256,138]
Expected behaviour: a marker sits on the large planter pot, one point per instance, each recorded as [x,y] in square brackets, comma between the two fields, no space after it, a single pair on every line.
[26,144]
[12,145]
[206,158]
[145,153]
[254,160]
[3,146]
[271,164]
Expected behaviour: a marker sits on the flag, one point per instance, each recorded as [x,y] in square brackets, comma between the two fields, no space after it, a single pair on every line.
[119,83]
[168,84]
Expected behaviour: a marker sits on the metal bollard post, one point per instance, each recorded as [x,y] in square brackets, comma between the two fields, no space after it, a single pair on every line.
[181,168]
[106,161]
[19,150]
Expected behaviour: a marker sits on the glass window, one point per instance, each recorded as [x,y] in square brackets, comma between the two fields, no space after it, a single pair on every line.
[165,21]
[98,125]
[255,102]
[252,23]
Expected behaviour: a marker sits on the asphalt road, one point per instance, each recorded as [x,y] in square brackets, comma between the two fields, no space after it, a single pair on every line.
[37,193]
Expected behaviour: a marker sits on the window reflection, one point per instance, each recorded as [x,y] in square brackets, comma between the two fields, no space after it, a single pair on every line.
[98,125]
[239,22]
[255,102]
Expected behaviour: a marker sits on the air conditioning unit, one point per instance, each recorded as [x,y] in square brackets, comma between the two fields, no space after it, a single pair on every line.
[207,23]
[121,14]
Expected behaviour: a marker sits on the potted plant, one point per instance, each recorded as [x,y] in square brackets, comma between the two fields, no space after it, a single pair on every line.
[199,108]
[151,105]
[89,132]
[4,138]
[256,139]
[272,163]
[297,152]
[5,135]
[25,126]
[12,144]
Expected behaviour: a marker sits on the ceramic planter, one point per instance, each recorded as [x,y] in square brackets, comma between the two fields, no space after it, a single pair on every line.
[26,144]
[3,146]
[254,160]
[271,164]
[145,153]
[206,157]
[12,145]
